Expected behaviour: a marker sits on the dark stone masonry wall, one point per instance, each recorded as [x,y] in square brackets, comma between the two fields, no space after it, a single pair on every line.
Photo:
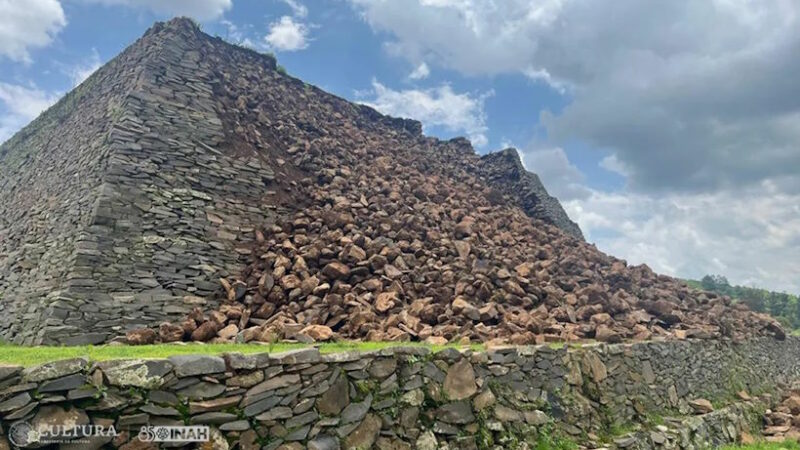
[134,226]
[175,212]
[505,170]
[50,177]
[411,398]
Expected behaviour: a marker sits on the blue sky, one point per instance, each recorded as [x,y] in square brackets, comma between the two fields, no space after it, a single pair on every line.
[669,132]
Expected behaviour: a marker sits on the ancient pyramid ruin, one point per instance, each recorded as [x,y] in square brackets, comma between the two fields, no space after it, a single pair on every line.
[186,160]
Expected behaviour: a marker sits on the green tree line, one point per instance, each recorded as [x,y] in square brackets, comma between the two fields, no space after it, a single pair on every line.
[780,305]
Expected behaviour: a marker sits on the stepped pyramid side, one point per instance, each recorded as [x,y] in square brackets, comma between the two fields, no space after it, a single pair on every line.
[123,209]
[51,173]
[504,169]
[125,202]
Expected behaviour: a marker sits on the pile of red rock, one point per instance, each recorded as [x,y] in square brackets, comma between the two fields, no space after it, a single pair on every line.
[395,236]
[783,423]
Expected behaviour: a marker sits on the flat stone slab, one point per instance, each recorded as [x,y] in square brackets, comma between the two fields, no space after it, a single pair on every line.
[55,369]
[149,374]
[191,365]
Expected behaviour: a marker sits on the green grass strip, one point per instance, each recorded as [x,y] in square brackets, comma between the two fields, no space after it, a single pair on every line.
[31,356]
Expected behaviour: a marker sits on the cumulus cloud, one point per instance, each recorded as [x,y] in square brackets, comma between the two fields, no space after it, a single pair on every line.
[690,95]
[83,69]
[697,102]
[236,34]
[21,104]
[440,106]
[298,9]
[420,72]
[562,179]
[197,9]
[751,236]
[287,35]
[28,25]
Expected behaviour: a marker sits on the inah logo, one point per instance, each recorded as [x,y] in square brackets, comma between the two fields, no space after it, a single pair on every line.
[186,433]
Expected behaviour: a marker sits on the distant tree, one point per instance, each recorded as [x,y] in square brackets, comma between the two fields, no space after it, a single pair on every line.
[784,307]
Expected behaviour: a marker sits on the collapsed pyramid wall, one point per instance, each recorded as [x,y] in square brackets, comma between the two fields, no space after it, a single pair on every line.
[125,202]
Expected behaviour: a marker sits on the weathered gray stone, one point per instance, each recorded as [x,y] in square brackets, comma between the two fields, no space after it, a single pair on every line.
[536,417]
[354,412]
[278,382]
[217,404]
[237,425]
[456,413]
[191,365]
[301,356]
[323,442]
[261,405]
[202,390]
[160,410]
[506,414]
[55,369]
[15,402]
[336,398]
[427,441]
[300,420]
[460,381]
[484,400]
[51,415]
[64,383]
[149,374]
[382,367]
[365,434]
[9,371]
[213,418]
[278,412]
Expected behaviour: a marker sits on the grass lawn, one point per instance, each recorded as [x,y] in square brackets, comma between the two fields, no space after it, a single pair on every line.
[31,356]
[785,445]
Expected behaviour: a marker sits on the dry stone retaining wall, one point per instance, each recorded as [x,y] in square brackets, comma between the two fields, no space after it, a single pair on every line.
[410,397]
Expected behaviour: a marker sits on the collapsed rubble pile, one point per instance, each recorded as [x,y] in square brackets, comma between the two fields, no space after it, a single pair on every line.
[783,422]
[391,235]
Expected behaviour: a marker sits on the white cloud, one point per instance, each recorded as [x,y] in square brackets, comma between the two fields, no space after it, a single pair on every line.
[696,101]
[298,9]
[750,236]
[561,178]
[21,105]
[612,164]
[693,95]
[197,9]
[82,70]
[420,72]
[287,35]
[439,106]
[237,35]
[25,25]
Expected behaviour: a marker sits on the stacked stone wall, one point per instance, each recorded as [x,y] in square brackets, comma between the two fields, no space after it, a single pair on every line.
[51,174]
[410,397]
[131,216]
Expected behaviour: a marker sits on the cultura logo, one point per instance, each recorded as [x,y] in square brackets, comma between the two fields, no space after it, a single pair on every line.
[22,434]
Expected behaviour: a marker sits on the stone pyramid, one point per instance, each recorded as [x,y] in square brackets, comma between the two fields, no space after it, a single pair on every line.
[123,204]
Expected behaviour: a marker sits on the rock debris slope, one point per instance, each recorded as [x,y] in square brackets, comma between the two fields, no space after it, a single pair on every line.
[391,235]
[324,219]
